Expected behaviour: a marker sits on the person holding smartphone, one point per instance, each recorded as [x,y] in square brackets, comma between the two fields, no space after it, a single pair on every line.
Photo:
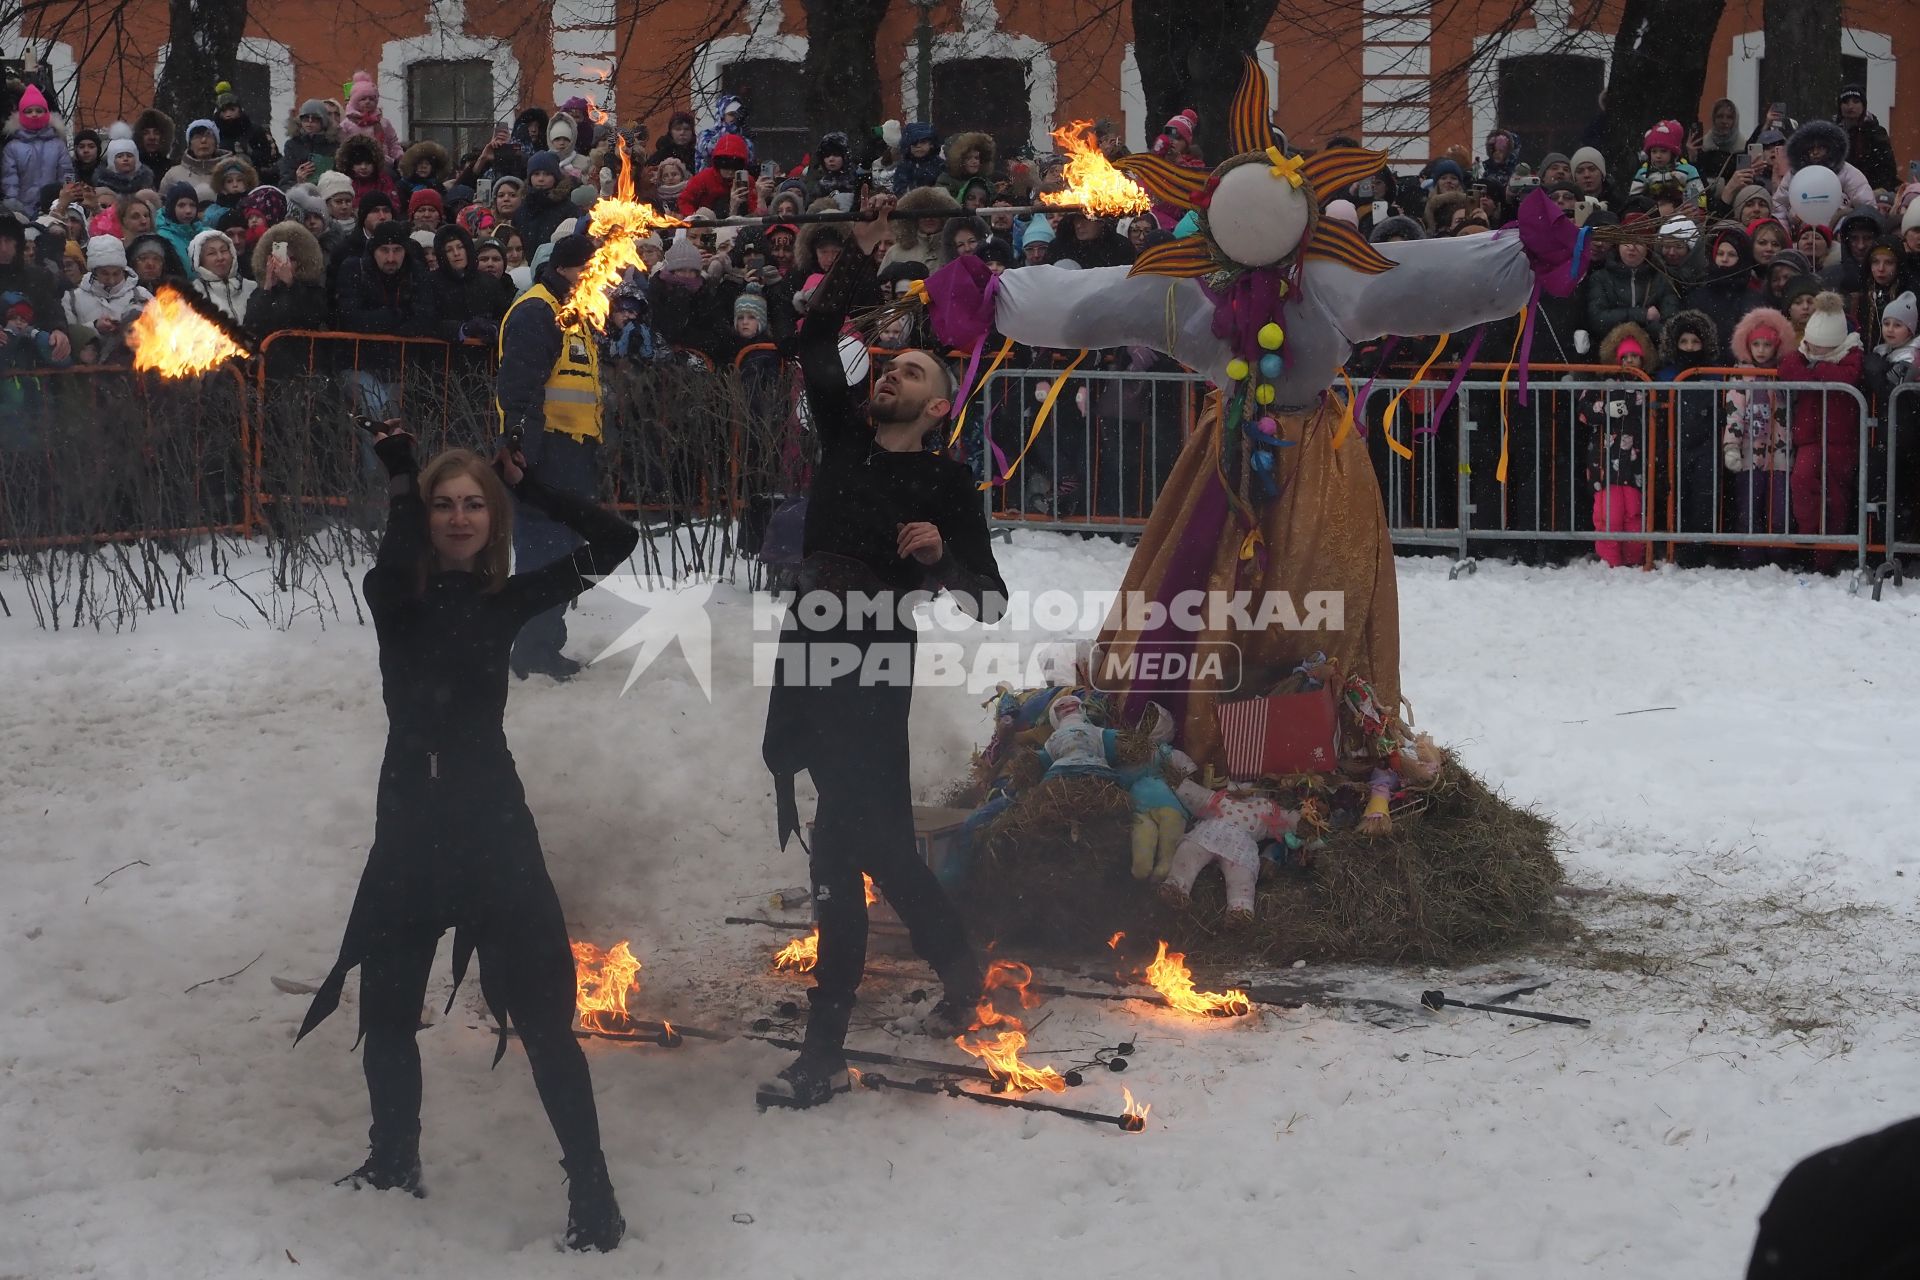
[454,844]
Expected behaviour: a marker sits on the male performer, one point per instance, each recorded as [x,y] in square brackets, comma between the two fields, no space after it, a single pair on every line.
[886,516]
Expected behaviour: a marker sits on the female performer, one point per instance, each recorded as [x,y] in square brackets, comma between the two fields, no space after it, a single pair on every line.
[454,845]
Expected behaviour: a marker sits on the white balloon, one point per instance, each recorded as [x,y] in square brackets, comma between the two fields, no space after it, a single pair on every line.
[1256,218]
[1814,195]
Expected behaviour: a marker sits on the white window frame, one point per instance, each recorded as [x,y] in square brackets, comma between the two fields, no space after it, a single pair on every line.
[446,40]
[980,36]
[763,40]
[277,59]
[1749,47]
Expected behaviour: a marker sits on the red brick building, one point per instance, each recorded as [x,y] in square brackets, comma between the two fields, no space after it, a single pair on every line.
[1366,69]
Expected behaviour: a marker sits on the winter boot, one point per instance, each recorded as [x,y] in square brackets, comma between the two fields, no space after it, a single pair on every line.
[820,1071]
[593,1216]
[393,1164]
[958,1010]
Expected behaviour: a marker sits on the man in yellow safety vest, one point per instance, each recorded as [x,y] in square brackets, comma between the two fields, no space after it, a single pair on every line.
[548,394]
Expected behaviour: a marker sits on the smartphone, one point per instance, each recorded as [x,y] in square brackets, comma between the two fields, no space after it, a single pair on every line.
[372,426]
[280,251]
[1379,212]
[768,169]
[1780,109]
[1755,152]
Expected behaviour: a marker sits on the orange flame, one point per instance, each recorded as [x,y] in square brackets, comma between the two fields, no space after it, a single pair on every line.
[618,224]
[1169,975]
[1092,181]
[602,980]
[1002,1054]
[1114,942]
[801,954]
[594,113]
[1134,1113]
[173,340]
[872,897]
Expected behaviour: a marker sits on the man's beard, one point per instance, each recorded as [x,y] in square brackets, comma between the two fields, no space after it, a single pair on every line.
[895,413]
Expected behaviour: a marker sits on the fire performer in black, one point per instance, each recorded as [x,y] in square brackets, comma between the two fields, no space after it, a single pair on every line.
[886,516]
[454,845]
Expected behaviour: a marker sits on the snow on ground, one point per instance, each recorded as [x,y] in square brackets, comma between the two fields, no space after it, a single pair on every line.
[1742,865]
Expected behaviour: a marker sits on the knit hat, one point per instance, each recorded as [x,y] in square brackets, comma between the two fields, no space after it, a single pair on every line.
[314,107]
[422,238]
[1827,326]
[562,126]
[1752,192]
[1344,211]
[1039,231]
[121,147]
[333,183]
[1668,134]
[106,251]
[1183,125]
[1681,228]
[390,233]
[1852,91]
[508,180]
[224,96]
[33,109]
[571,251]
[752,304]
[543,162]
[1906,309]
[584,196]
[1771,138]
[1551,159]
[1446,168]
[680,256]
[1824,232]
[178,191]
[1629,347]
[20,309]
[1589,155]
[304,197]
[198,125]
[1911,218]
[424,198]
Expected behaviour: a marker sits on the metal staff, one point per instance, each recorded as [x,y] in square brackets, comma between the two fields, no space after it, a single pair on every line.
[876,1058]
[1123,1122]
[859,215]
[1435,1000]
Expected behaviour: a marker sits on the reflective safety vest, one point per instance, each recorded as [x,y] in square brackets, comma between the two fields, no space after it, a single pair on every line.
[572,402]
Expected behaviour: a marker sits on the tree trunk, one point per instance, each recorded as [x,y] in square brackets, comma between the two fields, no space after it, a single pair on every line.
[203,41]
[1802,66]
[1189,54]
[1659,72]
[843,73]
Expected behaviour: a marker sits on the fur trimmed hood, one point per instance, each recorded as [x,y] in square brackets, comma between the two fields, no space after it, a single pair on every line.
[427,149]
[1751,323]
[234,164]
[1610,345]
[1824,132]
[921,202]
[155,118]
[1698,323]
[958,148]
[357,147]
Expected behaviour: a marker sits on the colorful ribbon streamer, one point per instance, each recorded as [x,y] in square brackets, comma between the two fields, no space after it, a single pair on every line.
[1039,419]
[968,386]
[1386,425]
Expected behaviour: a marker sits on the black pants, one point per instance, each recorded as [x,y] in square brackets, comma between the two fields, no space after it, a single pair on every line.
[571,466]
[864,823]
[528,976]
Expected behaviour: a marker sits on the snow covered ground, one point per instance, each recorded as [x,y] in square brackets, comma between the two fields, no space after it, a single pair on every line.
[1743,861]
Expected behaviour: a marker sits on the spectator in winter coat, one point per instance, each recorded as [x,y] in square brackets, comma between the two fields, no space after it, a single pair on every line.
[1613,429]
[1725,292]
[41,288]
[36,154]
[1880,283]
[1856,232]
[424,166]
[217,277]
[425,210]
[730,120]
[233,177]
[292,294]
[370,211]
[830,174]
[106,301]
[712,188]
[1797,299]
[1824,143]
[918,238]
[311,143]
[471,302]
[1503,153]
[242,137]
[692,302]
[1756,444]
[543,206]
[676,142]
[1826,426]
[920,163]
[358,157]
[153,136]
[384,291]
[1090,241]
[121,172]
[1629,291]
[87,155]
[196,166]
[1750,204]
[154,263]
[1867,142]
[1891,363]
[1723,147]
[1590,175]
[363,119]
[969,160]
[1665,144]
[1688,343]
[179,220]
[563,135]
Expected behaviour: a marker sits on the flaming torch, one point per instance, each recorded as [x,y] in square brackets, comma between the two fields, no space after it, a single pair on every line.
[618,224]
[602,980]
[1092,182]
[1133,1117]
[1002,1054]
[800,955]
[175,339]
[1169,975]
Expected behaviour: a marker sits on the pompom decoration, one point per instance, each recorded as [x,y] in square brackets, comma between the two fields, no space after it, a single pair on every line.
[1263,393]
[1237,368]
[1269,427]
[1271,336]
[1270,365]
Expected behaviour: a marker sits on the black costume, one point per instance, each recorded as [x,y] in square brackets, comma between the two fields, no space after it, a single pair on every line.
[851,735]
[454,845]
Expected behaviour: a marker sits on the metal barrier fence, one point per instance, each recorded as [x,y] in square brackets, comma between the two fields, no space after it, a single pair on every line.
[1901,431]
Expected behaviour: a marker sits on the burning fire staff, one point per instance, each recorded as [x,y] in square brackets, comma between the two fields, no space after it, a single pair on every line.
[548,393]
[454,845]
[884,515]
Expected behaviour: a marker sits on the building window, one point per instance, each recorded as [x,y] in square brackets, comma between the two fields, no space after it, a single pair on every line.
[451,103]
[774,91]
[984,95]
[1549,99]
[1853,70]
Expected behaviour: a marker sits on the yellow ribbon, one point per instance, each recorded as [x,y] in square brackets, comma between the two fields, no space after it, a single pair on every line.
[960,422]
[1040,419]
[1285,166]
[1386,424]
[1346,412]
[917,290]
[1500,472]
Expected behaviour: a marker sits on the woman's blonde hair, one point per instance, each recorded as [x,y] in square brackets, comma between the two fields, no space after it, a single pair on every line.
[494,561]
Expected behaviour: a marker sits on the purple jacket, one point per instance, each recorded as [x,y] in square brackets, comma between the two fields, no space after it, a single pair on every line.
[32,161]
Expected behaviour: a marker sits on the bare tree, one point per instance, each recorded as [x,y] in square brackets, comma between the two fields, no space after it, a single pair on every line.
[1802,67]
[1659,71]
[1189,55]
[842,67]
[203,39]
